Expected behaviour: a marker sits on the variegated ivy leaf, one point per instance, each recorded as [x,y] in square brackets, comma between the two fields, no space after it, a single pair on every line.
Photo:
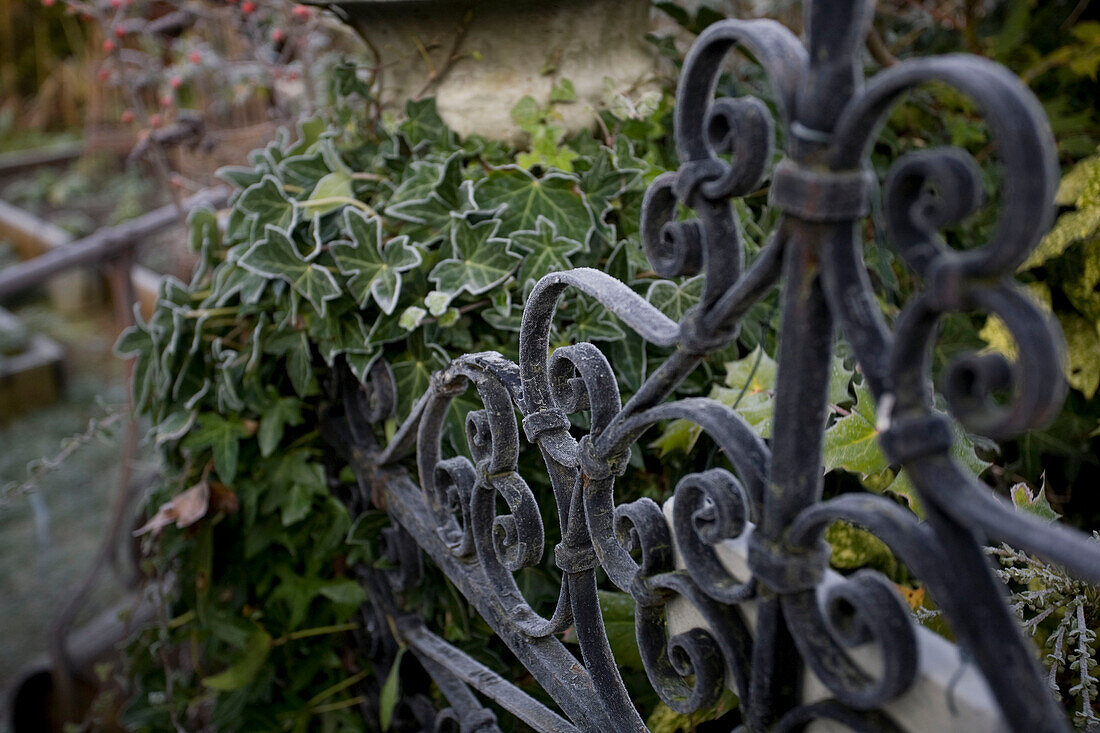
[436,212]
[412,317]
[268,205]
[206,238]
[592,322]
[543,251]
[437,302]
[305,169]
[375,265]
[675,299]
[525,198]
[478,260]
[275,256]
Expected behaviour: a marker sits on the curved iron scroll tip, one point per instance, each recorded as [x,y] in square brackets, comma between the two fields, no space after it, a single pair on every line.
[772,500]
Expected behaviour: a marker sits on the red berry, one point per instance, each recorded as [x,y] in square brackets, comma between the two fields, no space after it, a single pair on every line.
[127,116]
[155,121]
[278,35]
[301,12]
[195,57]
[175,82]
[247,7]
[48,3]
[119,31]
[167,100]
[109,46]
[104,74]
[116,4]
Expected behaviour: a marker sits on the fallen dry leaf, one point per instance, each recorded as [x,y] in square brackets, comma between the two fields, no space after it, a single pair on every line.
[184,509]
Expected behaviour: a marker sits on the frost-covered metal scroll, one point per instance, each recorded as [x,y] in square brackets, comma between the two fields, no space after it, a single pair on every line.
[479,521]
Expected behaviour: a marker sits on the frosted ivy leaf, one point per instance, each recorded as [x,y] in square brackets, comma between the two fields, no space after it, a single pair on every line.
[525,198]
[543,251]
[276,257]
[268,205]
[478,260]
[437,302]
[412,317]
[375,266]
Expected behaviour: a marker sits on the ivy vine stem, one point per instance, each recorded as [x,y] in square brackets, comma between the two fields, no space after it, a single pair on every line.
[316,631]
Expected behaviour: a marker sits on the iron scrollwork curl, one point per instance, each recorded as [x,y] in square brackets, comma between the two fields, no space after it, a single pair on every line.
[771,501]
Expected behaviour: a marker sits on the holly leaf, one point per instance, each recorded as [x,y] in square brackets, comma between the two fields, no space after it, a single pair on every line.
[223,437]
[375,266]
[543,251]
[478,261]
[268,205]
[525,198]
[275,256]
[1033,503]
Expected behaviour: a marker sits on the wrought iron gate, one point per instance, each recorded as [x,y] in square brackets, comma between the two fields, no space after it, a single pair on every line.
[772,502]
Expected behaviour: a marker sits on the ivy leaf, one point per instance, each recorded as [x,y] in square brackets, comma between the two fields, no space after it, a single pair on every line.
[563,91]
[275,256]
[223,437]
[376,266]
[674,299]
[525,198]
[344,591]
[424,125]
[478,260]
[411,317]
[750,390]
[412,372]
[543,251]
[436,209]
[245,669]
[592,322]
[326,194]
[854,547]
[283,411]
[851,443]
[268,205]
[240,176]
[607,177]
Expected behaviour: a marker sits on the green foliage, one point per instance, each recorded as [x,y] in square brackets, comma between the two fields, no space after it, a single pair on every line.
[340,247]
[399,241]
